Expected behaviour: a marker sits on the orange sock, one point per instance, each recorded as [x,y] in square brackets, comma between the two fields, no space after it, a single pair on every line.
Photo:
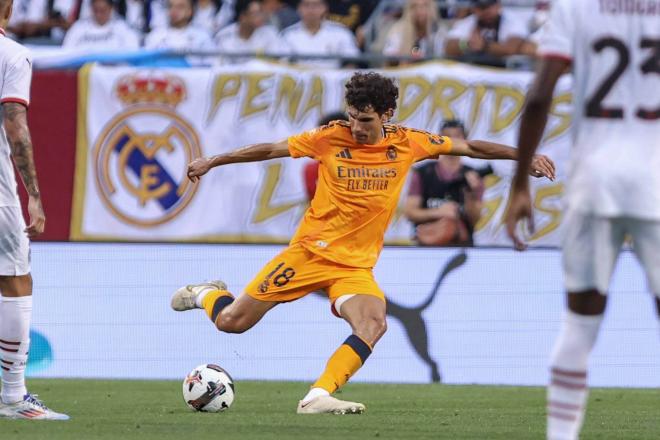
[216,300]
[343,364]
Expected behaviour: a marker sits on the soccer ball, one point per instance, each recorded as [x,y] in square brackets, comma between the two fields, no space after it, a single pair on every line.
[208,388]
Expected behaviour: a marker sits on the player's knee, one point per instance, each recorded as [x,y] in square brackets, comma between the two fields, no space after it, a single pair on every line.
[372,328]
[381,327]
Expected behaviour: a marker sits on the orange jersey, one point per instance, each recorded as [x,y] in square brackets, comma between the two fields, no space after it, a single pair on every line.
[358,188]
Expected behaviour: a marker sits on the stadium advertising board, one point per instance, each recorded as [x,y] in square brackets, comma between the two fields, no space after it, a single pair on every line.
[479,316]
[138,128]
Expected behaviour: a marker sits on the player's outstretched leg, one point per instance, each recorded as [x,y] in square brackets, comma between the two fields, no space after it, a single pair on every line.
[15,316]
[229,314]
[567,392]
[366,315]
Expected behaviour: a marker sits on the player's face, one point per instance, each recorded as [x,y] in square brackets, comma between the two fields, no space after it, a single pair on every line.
[312,11]
[101,11]
[366,126]
[180,13]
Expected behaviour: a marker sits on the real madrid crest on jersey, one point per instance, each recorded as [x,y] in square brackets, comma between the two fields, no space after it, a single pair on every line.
[391,153]
[142,154]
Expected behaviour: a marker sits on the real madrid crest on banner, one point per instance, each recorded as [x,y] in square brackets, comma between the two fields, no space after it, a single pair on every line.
[141,155]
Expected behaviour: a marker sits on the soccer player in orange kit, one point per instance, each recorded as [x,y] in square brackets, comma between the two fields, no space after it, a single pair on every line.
[363,167]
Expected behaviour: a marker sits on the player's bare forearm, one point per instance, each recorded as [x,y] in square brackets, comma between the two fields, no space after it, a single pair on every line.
[20,143]
[482,150]
[252,153]
[535,116]
[540,165]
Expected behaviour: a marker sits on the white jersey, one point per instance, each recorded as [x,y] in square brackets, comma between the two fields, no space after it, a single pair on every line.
[89,35]
[331,39]
[510,26]
[615,49]
[263,40]
[189,37]
[15,78]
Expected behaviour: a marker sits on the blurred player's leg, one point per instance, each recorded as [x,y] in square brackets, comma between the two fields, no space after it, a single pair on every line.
[646,245]
[15,316]
[591,247]
[235,316]
[229,314]
[366,315]
[646,238]
[567,392]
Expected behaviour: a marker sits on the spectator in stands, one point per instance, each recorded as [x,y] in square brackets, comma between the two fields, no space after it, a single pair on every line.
[17,19]
[158,14]
[206,15]
[488,33]
[42,19]
[311,168]
[444,198]
[418,32]
[314,35]
[248,34]
[101,32]
[180,34]
[353,14]
[540,16]
[141,15]
[280,14]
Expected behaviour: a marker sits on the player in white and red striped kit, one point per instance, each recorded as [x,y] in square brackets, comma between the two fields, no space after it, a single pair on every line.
[15,278]
[613,189]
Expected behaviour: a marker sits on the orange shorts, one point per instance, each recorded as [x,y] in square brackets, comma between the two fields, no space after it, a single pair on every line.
[295,272]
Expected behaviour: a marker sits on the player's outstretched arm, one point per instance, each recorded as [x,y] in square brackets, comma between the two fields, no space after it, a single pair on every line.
[251,153]
[532,124]
[20,143]
[542,166]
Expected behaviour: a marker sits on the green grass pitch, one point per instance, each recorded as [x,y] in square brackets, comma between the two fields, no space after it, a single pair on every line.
[126,410]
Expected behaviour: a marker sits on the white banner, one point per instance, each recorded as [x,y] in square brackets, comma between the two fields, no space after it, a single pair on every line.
[139,128]
[102,310]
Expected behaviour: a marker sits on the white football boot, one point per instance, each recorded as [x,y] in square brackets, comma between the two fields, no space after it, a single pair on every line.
[184,298]
[330,405]
[30,408]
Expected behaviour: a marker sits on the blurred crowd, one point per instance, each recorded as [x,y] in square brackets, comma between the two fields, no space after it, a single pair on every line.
[481,30]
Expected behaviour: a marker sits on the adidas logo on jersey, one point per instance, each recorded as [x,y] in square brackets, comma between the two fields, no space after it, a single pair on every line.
[345,153]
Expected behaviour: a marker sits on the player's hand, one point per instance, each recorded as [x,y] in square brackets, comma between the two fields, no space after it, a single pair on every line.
[198,167]
[520,207]
[37,217]
[543,166]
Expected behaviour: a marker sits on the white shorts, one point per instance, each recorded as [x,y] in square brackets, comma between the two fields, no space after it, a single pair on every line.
[592,245]
[14,243]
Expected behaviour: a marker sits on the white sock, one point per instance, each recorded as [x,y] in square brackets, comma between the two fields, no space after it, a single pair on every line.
[202,293]
[314,393]
[15,315]
[567,392]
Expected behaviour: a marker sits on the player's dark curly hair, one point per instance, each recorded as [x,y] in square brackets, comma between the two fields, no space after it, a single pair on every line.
[371,90]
